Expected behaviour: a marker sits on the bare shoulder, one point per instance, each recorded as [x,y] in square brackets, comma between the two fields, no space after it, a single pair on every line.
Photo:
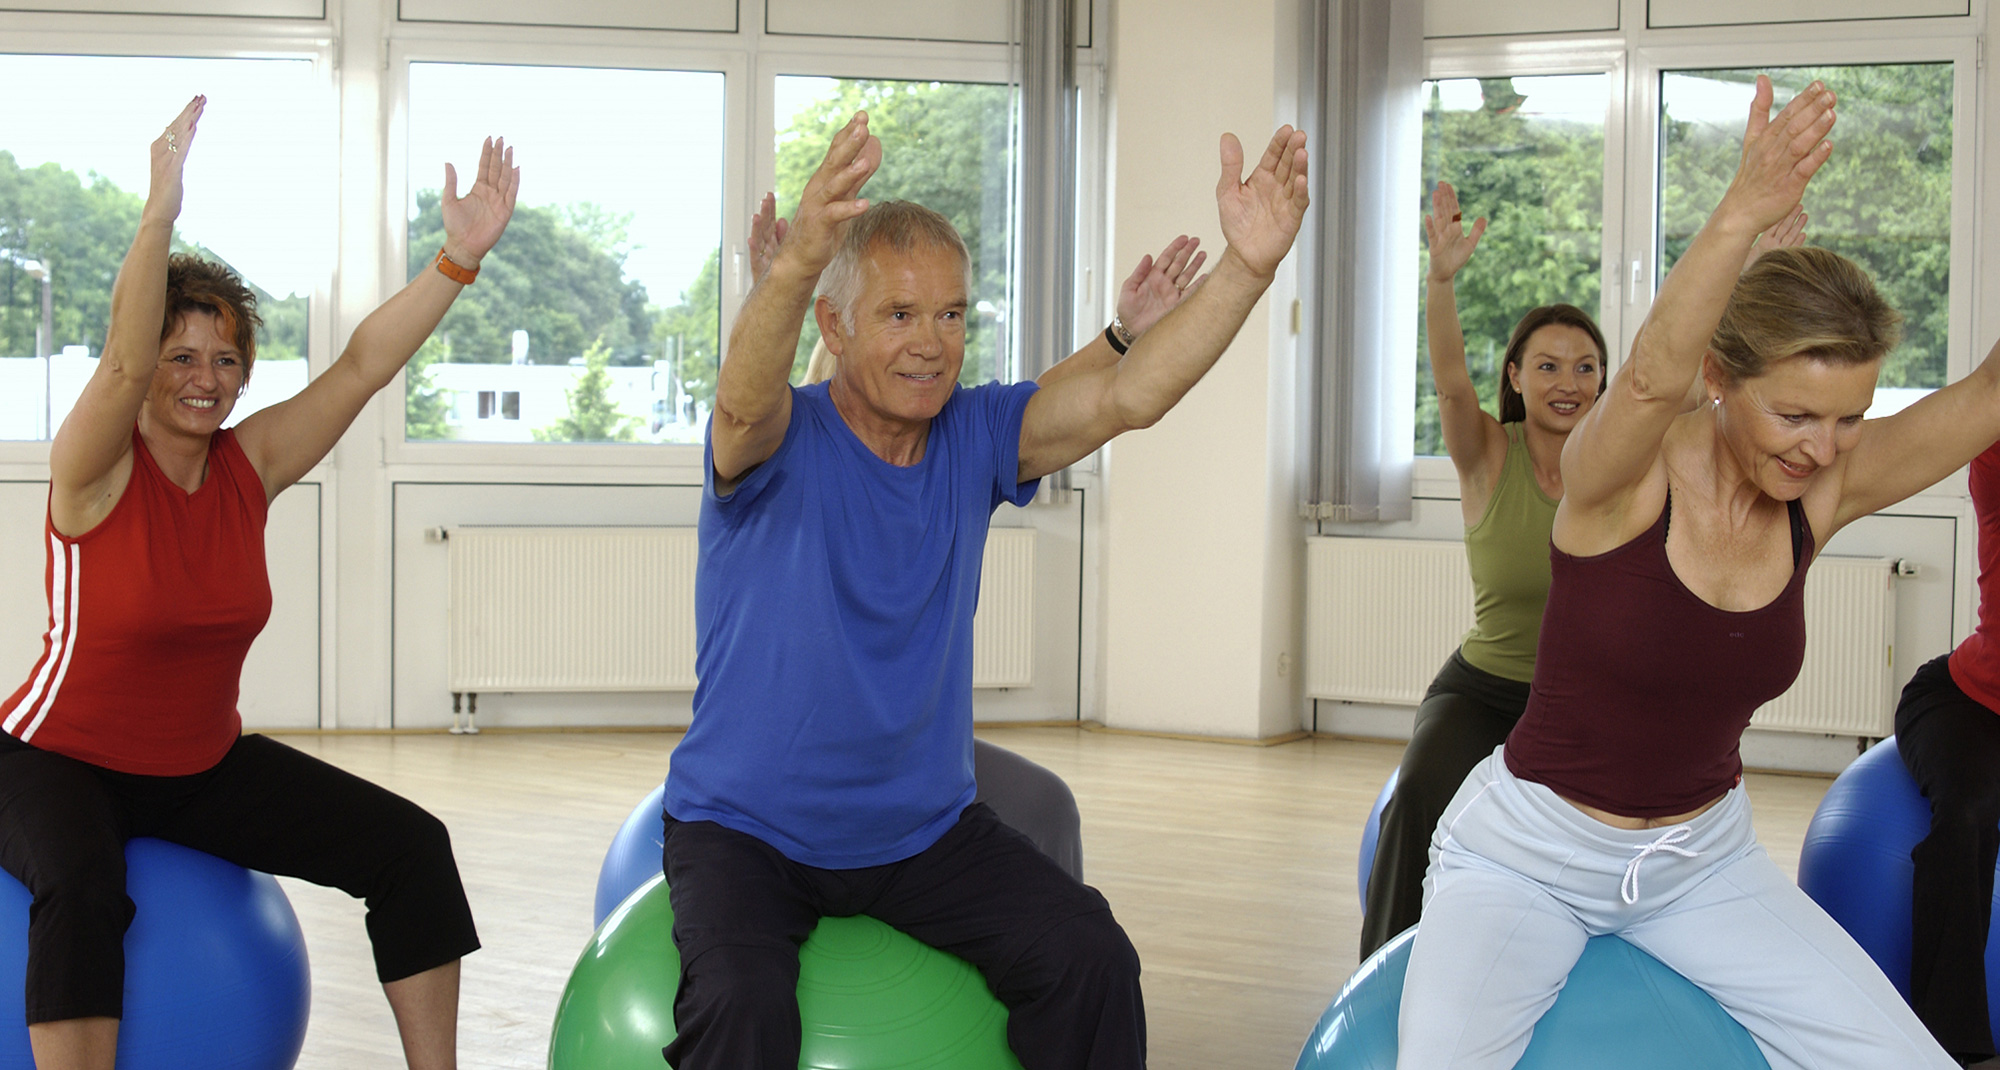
[74,511]
[1481,466]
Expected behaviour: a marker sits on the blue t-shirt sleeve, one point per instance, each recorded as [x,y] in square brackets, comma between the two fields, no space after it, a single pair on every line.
[748,488]
[1006,405]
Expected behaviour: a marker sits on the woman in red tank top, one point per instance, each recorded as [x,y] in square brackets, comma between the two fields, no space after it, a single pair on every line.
[128,726]
[1676,608]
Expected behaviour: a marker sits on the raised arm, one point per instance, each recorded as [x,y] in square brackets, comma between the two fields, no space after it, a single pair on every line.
[89,460]
[1153,289]
[1472,436]
[285,440]
[1899,455]
[767,232]
[753,396]
[1616,446]
[1260,218]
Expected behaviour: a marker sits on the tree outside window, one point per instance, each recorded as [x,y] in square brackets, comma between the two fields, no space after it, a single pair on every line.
[1883,200]
[1527,153]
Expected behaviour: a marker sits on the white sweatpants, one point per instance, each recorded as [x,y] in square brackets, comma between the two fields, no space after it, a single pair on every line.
[1519,879]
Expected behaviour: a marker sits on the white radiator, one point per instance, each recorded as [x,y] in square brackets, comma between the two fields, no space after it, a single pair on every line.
[1847,686]
[612,609]
[1383,614]
[572,609]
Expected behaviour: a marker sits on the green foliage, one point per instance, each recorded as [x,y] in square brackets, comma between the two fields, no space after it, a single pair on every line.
[82,231]
[1883,200]
[689,333]
[426,412]
[1541,183]
[593,417]
[559,275]
[944,146]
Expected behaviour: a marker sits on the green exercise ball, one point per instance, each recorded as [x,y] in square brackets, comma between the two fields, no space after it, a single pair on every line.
[870,998]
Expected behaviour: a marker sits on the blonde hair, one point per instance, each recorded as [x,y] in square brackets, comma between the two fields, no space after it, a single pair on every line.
[819,367]
[1803,301]
[901,224]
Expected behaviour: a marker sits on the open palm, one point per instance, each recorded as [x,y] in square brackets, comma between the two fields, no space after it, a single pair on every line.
[1451,244]
[474,222]
[1261,214]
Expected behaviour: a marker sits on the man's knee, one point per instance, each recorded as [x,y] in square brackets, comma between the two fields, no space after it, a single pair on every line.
[1089,948]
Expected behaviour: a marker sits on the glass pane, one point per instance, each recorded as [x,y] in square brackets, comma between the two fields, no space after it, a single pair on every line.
[74,170]
[1883,200]
[595,318]
[946,146]
[1528,154]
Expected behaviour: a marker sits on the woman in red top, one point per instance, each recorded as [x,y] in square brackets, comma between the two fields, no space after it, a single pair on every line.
[1948,733]
[127,726]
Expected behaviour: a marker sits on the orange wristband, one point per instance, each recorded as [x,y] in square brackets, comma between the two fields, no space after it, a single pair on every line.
[452,270]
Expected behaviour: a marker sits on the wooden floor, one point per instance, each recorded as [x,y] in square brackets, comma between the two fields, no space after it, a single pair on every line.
[1232,867]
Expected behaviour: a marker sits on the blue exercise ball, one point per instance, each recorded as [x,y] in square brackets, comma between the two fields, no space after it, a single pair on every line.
[634,856]
[1371,834]
[1621,1007]
[1855,863]
[215,966]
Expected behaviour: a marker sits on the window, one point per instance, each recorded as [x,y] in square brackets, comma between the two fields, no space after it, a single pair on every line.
[596,318]
[74,173]
[1528,154]
[945,145]
[1883,200]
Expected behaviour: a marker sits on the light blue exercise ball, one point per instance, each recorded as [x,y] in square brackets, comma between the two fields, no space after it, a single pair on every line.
[1855,863]
[633,857]
[1621,1007]
[215,967]
[1371,835]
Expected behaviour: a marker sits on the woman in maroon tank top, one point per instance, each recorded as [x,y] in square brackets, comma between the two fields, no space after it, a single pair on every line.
[128,726]
[1676,608]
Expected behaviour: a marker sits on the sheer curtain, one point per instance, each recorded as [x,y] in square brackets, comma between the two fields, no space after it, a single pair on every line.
[1362,70]
[1045,272]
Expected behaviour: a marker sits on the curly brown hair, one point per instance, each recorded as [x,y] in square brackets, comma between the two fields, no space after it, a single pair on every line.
[197,285]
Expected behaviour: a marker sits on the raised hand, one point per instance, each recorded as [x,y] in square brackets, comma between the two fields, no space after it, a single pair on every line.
[832,196]
[767,232]
[1784,234]
[1261,214]
[1450,245]
[474,222]
[1780,155]
[170,149]
[1158,284]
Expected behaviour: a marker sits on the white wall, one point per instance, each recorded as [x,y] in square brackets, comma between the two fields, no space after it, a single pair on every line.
[1202,553]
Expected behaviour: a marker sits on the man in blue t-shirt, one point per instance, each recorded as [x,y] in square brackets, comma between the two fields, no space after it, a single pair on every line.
[828,769]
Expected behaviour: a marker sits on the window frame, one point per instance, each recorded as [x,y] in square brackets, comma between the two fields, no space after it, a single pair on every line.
[1651,64]
[1637,56]
[1435,476]
[397,183]
[290,40]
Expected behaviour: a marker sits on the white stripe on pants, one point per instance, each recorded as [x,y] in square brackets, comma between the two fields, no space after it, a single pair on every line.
[1519,879]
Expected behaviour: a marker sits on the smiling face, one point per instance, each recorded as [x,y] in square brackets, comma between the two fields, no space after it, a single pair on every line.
[1784,426]
[198,378]
[899,351]
[1559,376]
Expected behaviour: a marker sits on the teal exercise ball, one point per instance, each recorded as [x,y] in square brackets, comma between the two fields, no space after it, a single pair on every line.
[870,998]
[1621,1007]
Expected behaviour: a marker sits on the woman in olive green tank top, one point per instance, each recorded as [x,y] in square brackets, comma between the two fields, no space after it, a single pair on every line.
[1510,479]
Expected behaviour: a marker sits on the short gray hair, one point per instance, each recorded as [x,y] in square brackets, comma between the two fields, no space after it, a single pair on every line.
[901,224]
